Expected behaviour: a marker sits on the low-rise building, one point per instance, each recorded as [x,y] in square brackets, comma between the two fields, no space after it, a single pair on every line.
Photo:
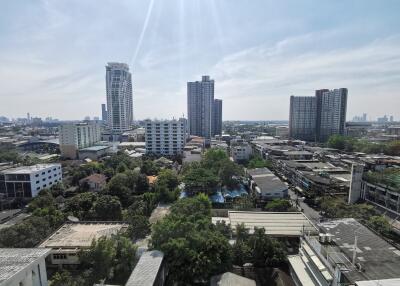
[75,136]
[23,266]
[165,137]
[266,185]
[71,238]
[27,181]
[149,271]
[93,152]
[241,152]
[95,182]
[277,224]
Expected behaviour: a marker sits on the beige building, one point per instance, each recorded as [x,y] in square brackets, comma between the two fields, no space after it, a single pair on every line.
[71,238]
[75,136]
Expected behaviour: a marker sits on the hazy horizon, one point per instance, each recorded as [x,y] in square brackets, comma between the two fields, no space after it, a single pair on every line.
[259,53]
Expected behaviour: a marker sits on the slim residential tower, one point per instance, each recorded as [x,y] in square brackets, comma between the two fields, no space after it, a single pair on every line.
[119,97]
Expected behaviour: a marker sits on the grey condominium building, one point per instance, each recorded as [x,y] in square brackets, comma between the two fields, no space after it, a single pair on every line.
[204,113]
[302,117]
[119,97]
[316,118]
[217,117]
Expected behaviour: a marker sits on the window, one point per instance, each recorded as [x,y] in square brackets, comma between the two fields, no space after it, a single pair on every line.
[37,182]
[37,175]
[59,256]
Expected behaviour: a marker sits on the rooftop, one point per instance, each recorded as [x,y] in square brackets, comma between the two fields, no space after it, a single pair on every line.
[80,235]
[378,258]
[266,180]
[94,148]
[228,279]
[146,270]
[15,260]
[30,169]
[274,223]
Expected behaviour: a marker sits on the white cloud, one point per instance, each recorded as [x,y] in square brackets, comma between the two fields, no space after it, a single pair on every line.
[298,66]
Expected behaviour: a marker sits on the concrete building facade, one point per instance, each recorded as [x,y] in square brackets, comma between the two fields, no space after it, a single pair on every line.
[119,97]
[27,182]
[331,113]
[319,117]
[217,117]
[75,136]
[200,100]
[23,266]
[165,137]
[302,117]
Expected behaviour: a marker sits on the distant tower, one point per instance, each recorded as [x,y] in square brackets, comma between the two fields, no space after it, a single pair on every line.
[200,100]
[119,97]
[331,112]
[28,116]
[217,117]
[103,112]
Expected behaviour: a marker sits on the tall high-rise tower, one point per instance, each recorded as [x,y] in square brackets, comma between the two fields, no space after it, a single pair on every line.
[119,97]
[319,117]
[103,112]
[331,112]
[217,117]
[200,100]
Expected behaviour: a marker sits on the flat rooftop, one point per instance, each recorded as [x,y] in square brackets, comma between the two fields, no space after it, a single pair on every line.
[30,169]
[94,148]
[80,235]
[146,270]
[15,260]
[266,180]
[378,258]
[278,224]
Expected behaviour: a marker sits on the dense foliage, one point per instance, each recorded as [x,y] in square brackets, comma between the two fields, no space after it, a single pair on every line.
[215,169]
[193,247]
[351,144]
[279,205]
[45,219]
[257,248]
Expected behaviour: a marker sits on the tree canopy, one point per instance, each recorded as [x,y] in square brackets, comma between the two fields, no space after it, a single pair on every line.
[190,242]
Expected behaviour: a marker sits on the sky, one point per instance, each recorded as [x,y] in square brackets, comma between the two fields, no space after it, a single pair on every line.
[259,52]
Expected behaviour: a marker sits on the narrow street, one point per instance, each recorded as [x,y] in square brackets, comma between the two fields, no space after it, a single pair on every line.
[310,213]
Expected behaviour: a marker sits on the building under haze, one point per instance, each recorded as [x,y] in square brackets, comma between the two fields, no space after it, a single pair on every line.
[319,117]
[204,113]
[119,97]
[302,117]
[331,112]
[103,112]
[75,136]
[217,117]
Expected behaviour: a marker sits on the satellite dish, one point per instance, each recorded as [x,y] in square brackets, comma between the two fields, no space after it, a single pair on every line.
[72,218]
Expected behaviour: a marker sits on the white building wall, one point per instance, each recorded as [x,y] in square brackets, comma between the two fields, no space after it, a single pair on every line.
[165,137]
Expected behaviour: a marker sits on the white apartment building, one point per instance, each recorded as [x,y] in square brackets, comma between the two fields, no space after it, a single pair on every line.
[241,152]
[165,137]
[119,97]
[75,136]
[23,266]
[26,182]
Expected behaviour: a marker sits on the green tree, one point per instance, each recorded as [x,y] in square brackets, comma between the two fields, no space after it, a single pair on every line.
[169,178]
[380,224]
[200,180]
[191,243]
[108,208]
[81,205]
[278,205]
[229,173]
[100,258]
[258,162]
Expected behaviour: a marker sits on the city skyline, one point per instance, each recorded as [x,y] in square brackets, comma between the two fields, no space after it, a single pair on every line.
[259,53]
